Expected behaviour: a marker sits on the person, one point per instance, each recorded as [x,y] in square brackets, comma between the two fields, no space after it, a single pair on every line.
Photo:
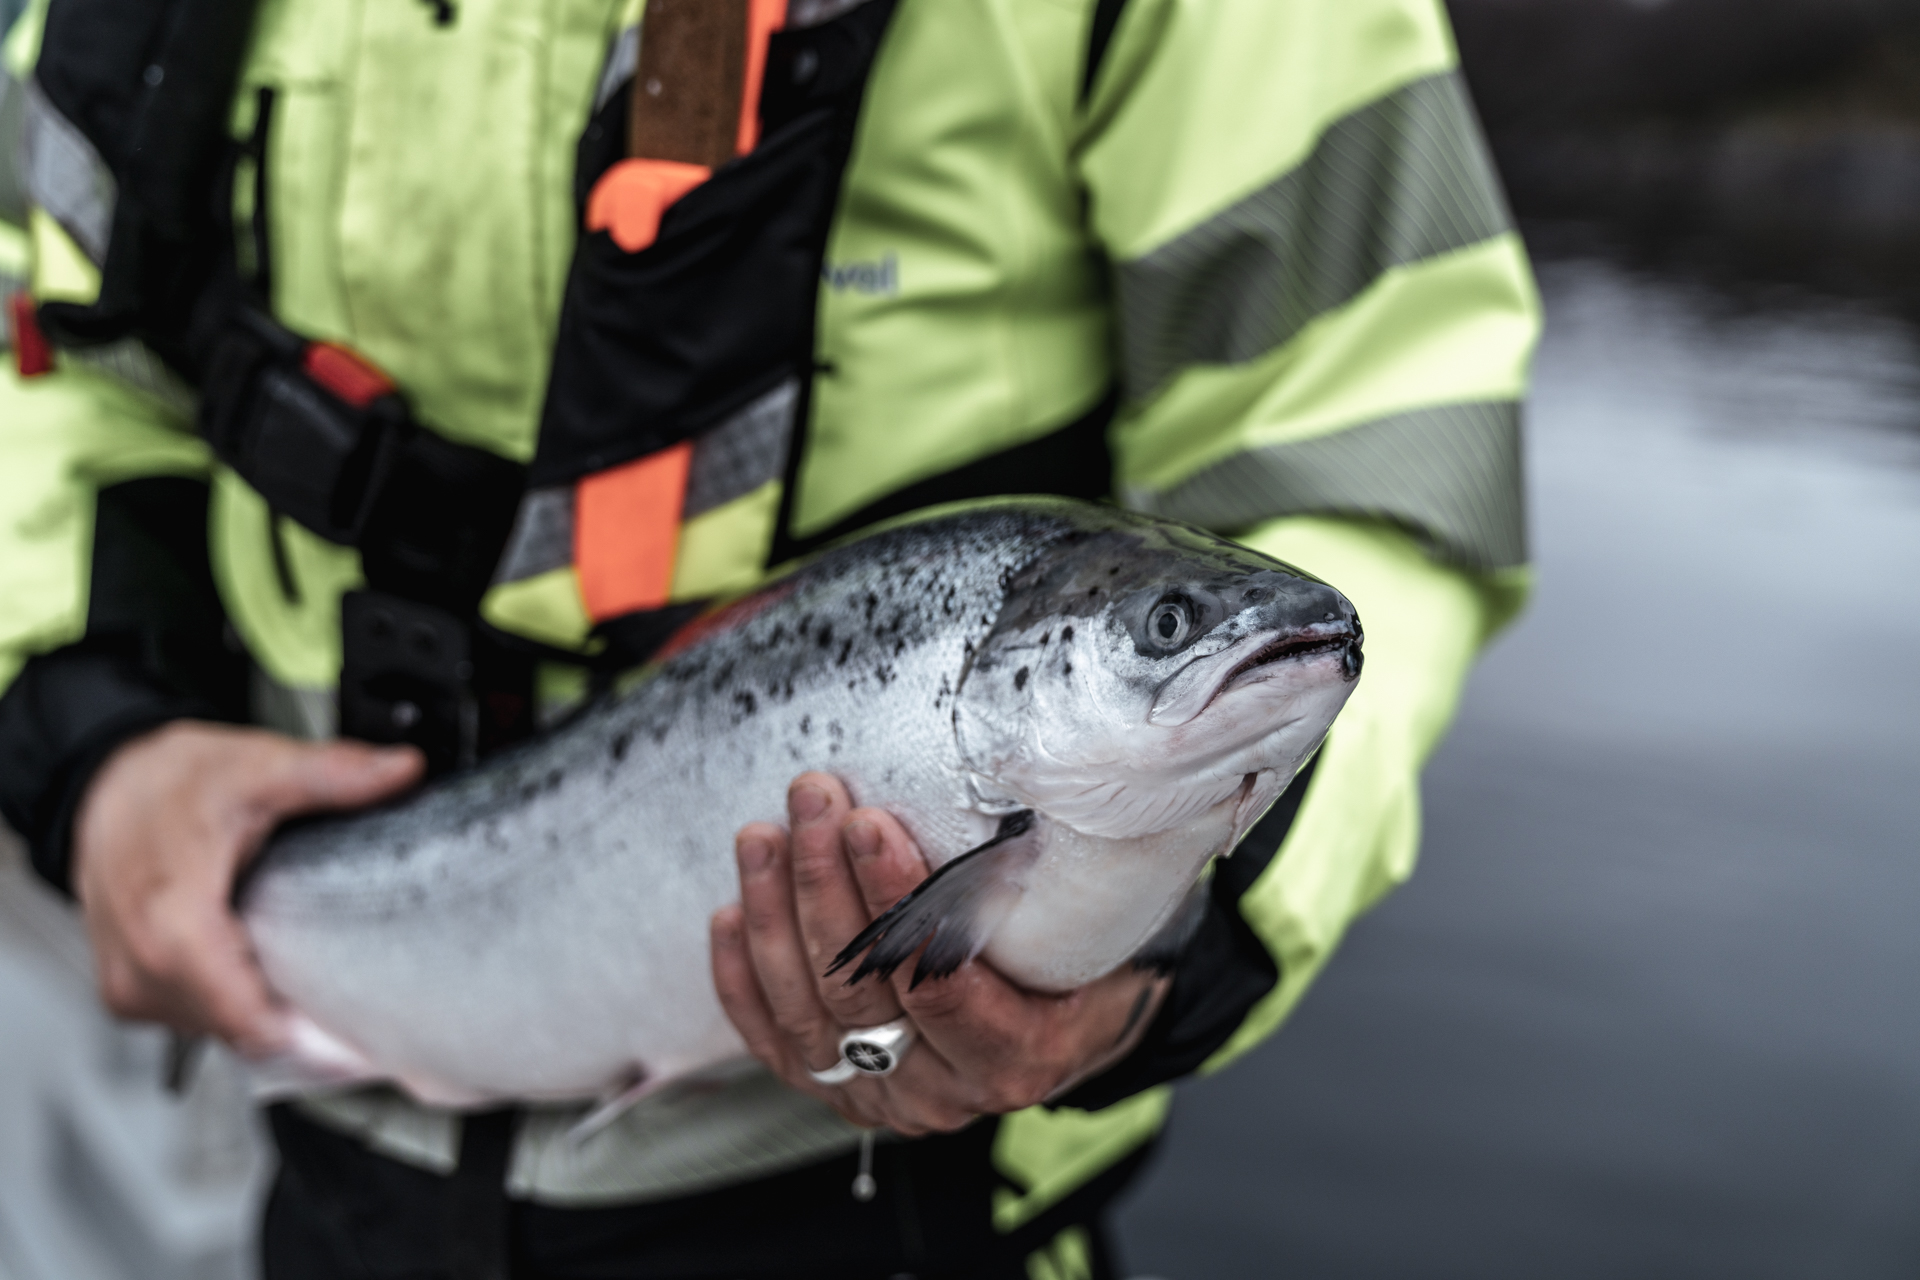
[1237,262]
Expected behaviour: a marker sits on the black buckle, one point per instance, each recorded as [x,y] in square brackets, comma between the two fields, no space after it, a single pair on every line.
[407,676]
[312,456]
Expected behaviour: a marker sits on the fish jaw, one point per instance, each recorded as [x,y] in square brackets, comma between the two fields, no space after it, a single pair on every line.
[1121,781]
[1088,904]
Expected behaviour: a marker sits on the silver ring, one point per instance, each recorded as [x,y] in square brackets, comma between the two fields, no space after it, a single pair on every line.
[868,1051]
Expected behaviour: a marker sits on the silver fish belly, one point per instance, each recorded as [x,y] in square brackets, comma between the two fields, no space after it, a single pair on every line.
[537,928]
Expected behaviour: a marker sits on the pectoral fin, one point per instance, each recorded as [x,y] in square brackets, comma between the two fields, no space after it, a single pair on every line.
[954,911]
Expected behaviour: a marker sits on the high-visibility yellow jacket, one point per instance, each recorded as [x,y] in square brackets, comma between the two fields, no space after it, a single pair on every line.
[1271,223]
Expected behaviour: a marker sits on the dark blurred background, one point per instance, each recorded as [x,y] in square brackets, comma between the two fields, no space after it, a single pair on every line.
[1778,139]
[1648,1007]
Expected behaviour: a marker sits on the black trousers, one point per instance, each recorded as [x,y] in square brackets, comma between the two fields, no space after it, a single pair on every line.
[339,1211]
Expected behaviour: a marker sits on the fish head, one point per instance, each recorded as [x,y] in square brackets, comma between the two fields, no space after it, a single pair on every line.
[1144,674]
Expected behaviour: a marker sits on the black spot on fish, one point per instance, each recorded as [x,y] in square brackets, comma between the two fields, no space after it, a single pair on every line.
[1045,636]
[806,724]
[746,702]
[1066,668]
[1020,678]
[620,744]
[845,649]
[825,638]
[1066,635]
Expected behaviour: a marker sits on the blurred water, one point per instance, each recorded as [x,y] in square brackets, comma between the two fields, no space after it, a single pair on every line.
[103,1175]
[1648,1007]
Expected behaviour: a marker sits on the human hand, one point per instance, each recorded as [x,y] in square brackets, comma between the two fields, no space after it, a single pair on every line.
[163,829]
[985,1046]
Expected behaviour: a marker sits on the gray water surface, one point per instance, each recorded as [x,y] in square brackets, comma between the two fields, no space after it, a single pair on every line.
[1648,1007]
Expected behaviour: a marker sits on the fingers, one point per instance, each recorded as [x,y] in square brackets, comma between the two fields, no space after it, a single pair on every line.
[739,991]
[1019,1047]
[887,864]
[302,777]
[828,902]
[923,1096]
[738,985]
[228,993]
[170,951]
[775,948]
[163,829]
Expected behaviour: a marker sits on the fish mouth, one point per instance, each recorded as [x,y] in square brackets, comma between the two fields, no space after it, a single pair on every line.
[1202,682]
[1335,637]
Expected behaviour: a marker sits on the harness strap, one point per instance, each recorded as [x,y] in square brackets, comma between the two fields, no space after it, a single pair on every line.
[475,1224]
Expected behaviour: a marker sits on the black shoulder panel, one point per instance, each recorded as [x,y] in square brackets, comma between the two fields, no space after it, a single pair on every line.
[1106,17]
[656,346]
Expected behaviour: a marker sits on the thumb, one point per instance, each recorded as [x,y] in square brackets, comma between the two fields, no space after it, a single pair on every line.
[347,775]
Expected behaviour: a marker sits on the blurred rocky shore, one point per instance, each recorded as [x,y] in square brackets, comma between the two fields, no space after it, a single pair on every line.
[1777,139]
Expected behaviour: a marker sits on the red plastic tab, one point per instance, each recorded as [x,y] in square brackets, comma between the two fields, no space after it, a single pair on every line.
[32,353]
[346,373]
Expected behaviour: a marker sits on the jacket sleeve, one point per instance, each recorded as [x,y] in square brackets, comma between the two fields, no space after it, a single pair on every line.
[1325,321]
[109,621]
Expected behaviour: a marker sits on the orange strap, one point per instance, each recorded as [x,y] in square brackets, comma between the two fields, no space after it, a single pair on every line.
[764,17]
[626,532]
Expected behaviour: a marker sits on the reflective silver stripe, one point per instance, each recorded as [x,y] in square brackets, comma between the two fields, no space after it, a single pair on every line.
[743,452]
[132,363]
[542,537]
[8,287]
[729,461]
[1451,473]
[66,177]
[1400,180]
[811,13]
[13,124]
[622,60]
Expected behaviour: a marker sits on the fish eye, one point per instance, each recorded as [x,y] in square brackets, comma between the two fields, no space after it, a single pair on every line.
[1170,623]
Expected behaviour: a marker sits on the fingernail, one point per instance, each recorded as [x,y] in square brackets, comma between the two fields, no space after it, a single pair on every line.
[863,841]
[808,803]
[755,854]
[726,931]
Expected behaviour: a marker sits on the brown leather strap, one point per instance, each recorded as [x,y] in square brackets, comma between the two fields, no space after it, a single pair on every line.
[687,94]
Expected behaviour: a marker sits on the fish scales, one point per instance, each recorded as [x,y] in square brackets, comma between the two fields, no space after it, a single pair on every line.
[537,928]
